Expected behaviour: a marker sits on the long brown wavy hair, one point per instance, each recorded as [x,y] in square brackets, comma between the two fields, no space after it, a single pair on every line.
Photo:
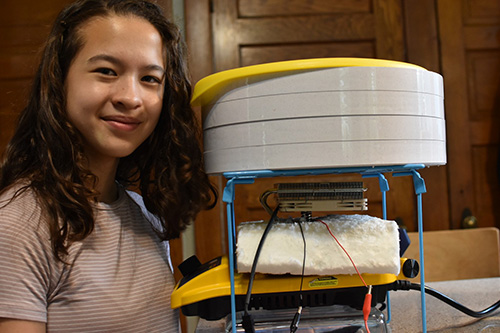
[46,152]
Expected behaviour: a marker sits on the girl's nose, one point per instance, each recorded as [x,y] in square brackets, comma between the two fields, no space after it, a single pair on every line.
[127,93]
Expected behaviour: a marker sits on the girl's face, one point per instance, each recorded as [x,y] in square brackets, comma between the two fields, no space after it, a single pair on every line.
[114,86]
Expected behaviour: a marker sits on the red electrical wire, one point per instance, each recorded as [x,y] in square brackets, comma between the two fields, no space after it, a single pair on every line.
[368,296]
[353,264]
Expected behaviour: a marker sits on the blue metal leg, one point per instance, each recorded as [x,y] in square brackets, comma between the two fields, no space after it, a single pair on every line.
[419,184]
[422,271]
[228,197]
[230,210]
[384,187]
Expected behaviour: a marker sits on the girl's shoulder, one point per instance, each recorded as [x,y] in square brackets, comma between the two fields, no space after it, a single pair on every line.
[19,199]
[20,210]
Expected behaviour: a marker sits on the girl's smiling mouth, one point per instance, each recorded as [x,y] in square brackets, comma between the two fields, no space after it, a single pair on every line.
[122,123]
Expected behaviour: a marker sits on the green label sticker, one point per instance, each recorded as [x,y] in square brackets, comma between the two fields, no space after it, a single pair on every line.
[325,281]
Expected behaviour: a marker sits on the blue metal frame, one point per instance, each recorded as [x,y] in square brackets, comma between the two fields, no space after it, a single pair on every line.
[248,177]
[419,185]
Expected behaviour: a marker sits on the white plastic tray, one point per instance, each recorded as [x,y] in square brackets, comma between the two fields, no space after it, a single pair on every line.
[326,117]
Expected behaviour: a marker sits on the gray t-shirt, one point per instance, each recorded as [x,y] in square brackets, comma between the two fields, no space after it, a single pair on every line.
[119,278]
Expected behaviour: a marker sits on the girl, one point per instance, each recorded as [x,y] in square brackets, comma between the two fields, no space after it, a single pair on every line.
[109,109]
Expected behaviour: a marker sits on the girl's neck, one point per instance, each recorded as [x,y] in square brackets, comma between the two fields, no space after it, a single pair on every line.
[107,187]
[105,171]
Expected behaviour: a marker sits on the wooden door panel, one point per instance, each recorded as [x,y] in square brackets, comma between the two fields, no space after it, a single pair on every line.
[30,12]
[252,55]
[25,25]
[483,72]
[486,184]
[14,93]
[480,12]
[234,34]
[422,48]
[260,8]
[461,191]
[389,40]
[296,29]
[471,66]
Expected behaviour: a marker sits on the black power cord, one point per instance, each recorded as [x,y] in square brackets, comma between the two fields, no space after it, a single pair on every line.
[247,321]
[295,322]
[407,285]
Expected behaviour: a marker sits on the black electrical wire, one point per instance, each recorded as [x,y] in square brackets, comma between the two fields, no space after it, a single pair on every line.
[406,285]
[295,322]
[247,320]
[303,261]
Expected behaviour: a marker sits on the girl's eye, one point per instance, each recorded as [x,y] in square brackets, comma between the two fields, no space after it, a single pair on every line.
[151,79]
[105,71]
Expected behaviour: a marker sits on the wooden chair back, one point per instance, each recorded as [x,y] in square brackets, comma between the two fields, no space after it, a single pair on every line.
[458,254]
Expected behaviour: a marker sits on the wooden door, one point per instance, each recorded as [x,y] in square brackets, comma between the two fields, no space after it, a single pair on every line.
[224,34]
[23,29]
[469,31]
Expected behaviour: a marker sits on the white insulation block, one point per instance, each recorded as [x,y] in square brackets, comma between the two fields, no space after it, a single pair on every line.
[372,243]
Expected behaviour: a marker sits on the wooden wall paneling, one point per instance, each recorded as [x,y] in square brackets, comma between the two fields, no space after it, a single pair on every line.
[305,29]
[210,226]
[30,12]
[481,24]
[260,8]
[486,184]
[389,29]
[483,68]
[258,54]
[167,7]
[422,48]
[471,62]
[460,181]
[481,12]
[225,35]
[24,26]
[482,51]
[239,38]
[421,34]
[199,38]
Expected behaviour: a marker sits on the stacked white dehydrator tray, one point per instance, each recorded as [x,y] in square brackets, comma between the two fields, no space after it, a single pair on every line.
[325,116]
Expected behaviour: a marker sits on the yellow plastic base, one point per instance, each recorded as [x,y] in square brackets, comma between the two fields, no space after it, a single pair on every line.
[215,282]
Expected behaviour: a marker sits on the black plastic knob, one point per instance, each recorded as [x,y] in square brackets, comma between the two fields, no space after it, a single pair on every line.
[411,268]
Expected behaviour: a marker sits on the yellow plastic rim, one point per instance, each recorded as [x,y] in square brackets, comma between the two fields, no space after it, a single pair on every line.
[211,86]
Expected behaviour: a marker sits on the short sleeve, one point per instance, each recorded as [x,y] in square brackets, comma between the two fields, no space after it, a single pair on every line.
[26,260]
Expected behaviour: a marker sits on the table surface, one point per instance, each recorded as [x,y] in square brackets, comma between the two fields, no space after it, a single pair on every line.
[406,316]
[476,294]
